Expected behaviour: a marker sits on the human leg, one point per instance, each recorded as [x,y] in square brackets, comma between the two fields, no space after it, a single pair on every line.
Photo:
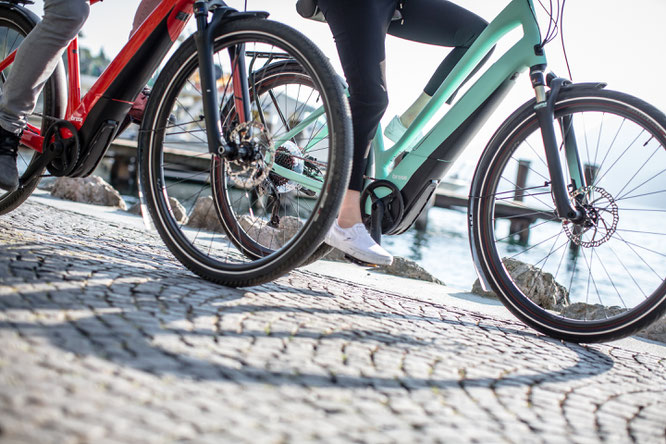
[359,29]
[35,60]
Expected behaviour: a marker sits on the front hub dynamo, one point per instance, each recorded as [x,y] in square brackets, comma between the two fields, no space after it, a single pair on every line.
[253,167]
[394,205]
[600,217]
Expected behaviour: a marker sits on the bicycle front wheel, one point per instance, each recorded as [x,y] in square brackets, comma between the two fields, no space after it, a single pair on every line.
[596,280]
[243,223]
[14,27]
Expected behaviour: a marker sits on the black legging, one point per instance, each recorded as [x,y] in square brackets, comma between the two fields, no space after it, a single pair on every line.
[360,27]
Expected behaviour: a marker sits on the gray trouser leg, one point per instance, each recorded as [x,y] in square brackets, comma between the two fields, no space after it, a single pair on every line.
[37,58]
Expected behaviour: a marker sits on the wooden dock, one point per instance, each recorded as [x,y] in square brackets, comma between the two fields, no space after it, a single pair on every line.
[508,209]
[124,152]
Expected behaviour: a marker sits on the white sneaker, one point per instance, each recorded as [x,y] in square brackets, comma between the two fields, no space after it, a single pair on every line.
[357,242]
[395,129]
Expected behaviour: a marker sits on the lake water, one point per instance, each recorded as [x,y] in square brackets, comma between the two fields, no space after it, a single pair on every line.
[443,250]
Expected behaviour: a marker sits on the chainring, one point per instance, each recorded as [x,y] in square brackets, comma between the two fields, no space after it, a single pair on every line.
[66,148]
[394,205]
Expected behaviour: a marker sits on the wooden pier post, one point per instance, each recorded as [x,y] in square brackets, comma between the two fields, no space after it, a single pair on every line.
[521,226]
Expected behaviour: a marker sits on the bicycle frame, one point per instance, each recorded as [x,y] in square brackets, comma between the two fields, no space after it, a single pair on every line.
[97,114]
[419,171]
[521,56]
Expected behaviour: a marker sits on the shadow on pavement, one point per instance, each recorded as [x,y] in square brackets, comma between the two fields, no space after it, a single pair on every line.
[132,321]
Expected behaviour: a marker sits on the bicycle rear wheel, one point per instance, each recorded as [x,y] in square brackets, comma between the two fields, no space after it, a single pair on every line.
[245,223]
[14,27]
[277,86]
[603,278]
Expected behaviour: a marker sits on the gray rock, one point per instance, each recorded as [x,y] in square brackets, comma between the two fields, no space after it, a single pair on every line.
[401,267]
[558,300]
[478,289]
[135,209]
[336,256]
[204,215]
[47,183]
[407,268]
[540,287]
[179,212]
[656,331]
[579,310]
[93,190]
[271,237]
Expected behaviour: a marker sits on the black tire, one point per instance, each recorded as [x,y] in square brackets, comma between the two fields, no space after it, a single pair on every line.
[265,248]
[14,26]
[598,282]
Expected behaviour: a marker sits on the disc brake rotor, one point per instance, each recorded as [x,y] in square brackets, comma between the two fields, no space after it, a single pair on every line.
[600,219]
[251,173]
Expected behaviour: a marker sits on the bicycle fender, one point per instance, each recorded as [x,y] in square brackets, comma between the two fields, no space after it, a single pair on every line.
[558,83]
[26,13]
[221,16]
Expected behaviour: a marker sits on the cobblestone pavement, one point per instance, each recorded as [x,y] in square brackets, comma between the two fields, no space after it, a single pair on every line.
[105,338]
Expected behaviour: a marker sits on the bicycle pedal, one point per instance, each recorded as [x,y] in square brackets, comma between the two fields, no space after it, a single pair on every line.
[353,260]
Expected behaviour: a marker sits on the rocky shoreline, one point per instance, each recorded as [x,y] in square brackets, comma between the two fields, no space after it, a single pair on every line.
[94,190]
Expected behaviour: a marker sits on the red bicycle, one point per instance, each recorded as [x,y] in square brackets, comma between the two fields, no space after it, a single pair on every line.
[245,143]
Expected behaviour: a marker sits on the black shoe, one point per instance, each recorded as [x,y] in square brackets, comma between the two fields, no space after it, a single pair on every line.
[9,143]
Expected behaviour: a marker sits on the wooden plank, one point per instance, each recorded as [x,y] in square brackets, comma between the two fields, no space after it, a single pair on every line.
[173,155]
[445,199]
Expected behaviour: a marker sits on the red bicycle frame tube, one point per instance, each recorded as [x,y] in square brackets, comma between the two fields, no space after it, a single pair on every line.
[78,108]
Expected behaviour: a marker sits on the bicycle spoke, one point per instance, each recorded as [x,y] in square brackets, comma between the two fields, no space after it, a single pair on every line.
[609,278]
[610,168]
[619,193]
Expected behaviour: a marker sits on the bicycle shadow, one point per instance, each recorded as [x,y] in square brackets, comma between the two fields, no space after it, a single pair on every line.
[135,333]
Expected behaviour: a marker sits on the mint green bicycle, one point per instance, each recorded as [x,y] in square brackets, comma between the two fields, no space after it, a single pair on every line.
[566,217]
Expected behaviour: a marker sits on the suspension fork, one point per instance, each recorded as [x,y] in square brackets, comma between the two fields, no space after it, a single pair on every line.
[204,38]
[544,110]
[204,41]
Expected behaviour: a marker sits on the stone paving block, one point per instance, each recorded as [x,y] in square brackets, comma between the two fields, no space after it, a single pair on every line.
[106,338]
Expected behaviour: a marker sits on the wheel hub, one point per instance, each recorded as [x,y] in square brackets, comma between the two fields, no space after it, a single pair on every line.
[253,168]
